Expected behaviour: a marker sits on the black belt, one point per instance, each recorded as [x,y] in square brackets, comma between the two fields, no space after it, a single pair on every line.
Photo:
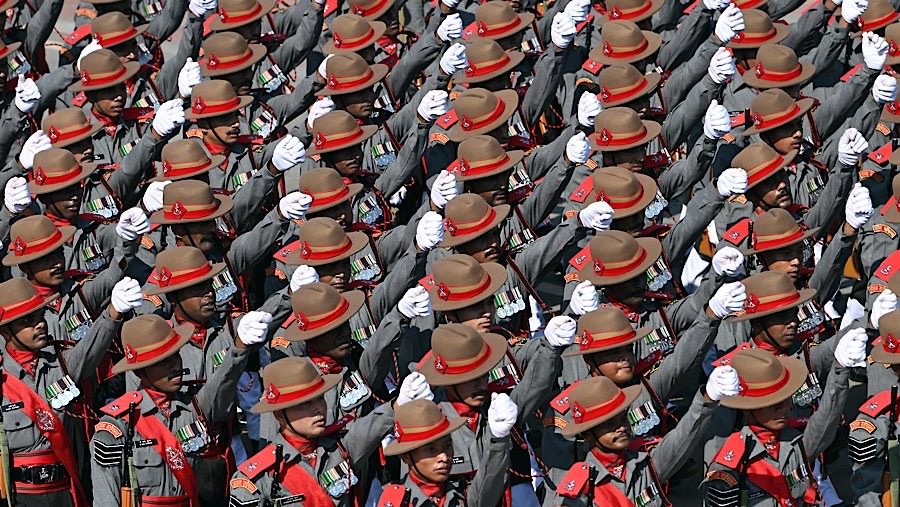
[40,474]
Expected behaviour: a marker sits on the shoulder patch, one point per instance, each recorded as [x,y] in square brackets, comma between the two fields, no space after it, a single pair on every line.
[570,213]
[242,483]
[437,137]
[146,242]
[579,260]
[194,133]
[447,120]
[259,463]
[571,277]
[738,232]
[586,82]
[109,428]
[722,475]
[281,341]
[279,274]
[572,484]
[556,421]
[728,138]
[886,268]
[877,404]
[740,199]
[877,288]
[884,129]
[393,495]
[732,450]
[862,424]
[120,406]
[156,300]
[88,13]
[885,229]
[591,164]
[592,67]
[850,73]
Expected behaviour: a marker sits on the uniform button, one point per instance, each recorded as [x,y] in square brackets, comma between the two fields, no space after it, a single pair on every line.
[18,424]
[146,461]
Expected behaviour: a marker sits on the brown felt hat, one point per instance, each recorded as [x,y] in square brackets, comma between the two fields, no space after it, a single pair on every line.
[370,9]
[749,4]
[629,10]
[323,241]
[605,328]
[626,191]
[215,97]
[482,156]
[765,379]
[292,381]
[892,36]
[777,66]
[596,400]
[148,339]
[227,53]
[624,42]
[327,189]
[190,201]
[487,60]
[770,292]
[348,72]
[34,237]
[236,13]
[184,159]
[318,308]
[68,126]
[773,108]
[621,128]
[776,228]
[891,210]
[891,114]
[417,423]
[338,130]
[758,31]
[481,111]
[617,257]
[181,267]
[497,19]
[103,69]
[56,169]
[761,161]
[114,28]
[879,14]
[622,83]
[6,50]
[886,348]
[459,281]
[19,298]
[351,33]
[468,217]
[459,354]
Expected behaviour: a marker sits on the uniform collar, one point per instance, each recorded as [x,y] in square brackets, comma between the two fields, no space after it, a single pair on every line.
[46,292]
[613,462]
[327,365]
[199,335]
[437,493]
[109,124]
[27,359]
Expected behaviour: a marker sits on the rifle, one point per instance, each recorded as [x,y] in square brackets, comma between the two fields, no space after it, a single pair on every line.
[891,457]
[742,480]
[128,492]
[592,478]
[276,479]
[5,455]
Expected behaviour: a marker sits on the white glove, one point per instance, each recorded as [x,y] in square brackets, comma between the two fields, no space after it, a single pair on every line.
[168,117]
[560,331]
[450,28]
[303,275]
[319,109]
[731,182]
[16,196]
[715,5]
[728,261]
[886,302]
[884,91]
[859,206]
[563,30]
[27,94]
[585,299]
[398,196]
[721,66]
[253,328]
[153,196]
[450,3]
[502,415]
[35,144]
[851,10]
[851,146]
[188,76]
[578,10]
[728,299]
[454,59]
[414,387]
[597,216]
[716,122]
[132,224]
[294,205]
[536,317]
[199,8]
[430,231]
[288,153]
[851,350]
[90,48]
[578,151]
[874,50]
[729,24]
[127,295]
[588,109]
[415,303]
[433,105]
[723,381]
[322,70]
[443,189]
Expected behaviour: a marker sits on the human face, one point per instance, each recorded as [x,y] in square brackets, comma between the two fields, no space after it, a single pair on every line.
[473,393]
[640,105]
[196,303]
[251,31]
[630,292]
[83,151]
[360,103]
[241,81]
[787,260]
[368,54]
[614,435]
[201,235]
[632,158]
[779,329]
[513,41]
[222,130]
[164,376]
[501,134]
[493,189]
[477,316]
[341,213]
[772,192]
[127,51]
[306,420]
[633,224]
[27,333]
[432,461]
[335,344]
[772,418]
[346,161]
[47,271]
[615,364]
[336,274]
[391,19]
[496,83]
[65,202]
[785,138]
[110,101]
[484,248]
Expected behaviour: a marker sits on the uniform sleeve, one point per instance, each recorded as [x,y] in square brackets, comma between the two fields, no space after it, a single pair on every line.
[681,176]
[685,76]
[296,48]
[541,365]
[701,210]
[823,424]
[51,85]
[830,269]
[166,22]
[538,257]
[166,79]
[874,247]
[253,246]
[547,75]
[106,462]
[403,122]
[376,360]
[98,290]
[405,275]
[684,117]
[546,194]
[543,158]
[416,59]
[41,25]
[842,102]
[866,449]
[833,197]
[287,107]
[246,211]
[676,447]
[244,493]
[218,394]
[85,356]
[364,435]
[489,483]
[134,168]
[408,160]
[688,353]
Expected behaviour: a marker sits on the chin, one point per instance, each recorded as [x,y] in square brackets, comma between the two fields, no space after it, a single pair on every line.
[623,379]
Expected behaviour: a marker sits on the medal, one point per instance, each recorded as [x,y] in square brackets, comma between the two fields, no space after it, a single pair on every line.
[509,303]
[811,320]
[643,418]
[218,358]
[192,437]
[647,495]
[369,210]
[271,79]
[17,65]
[384,154]
[62,392]
[809,392]
[106,207]
[520,184]
[338,480]
[93,257]
[126,148]
[658,275]
[238,180]
[520,241]
[354,391]
[656,206]
[151,9]
[531,46]
[502,378]
[365,268]
[147,101]
[264,124]
[363,334]
[224,286]
[78,325]
[385,102]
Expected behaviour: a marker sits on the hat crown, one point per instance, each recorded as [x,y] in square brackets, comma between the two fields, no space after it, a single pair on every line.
[111,24]
[773,101]
[606,319]
[895,186]
[625,5]
[892,35]
[481,51]
[593,392]
[757,22]
[618,120]
[475,103]
[347,66]
[54,162]
[480,148]
[323,232]
[237,6]
[613,247]
[768,283]
[774,222]
[418,414]
[225,45]
[622,33]
[457,342]
[16,290]
[289,372]
[616,182]
[32,228]
[458,270]
[188,193]
[145,330]
[350,26]
[876,10]
[495,13]
[620,77]
[101,62]
[316,299]
[889,324]
[178,259]
[64,119]
[321,180]
[754,156]
[777,58]
[335,122]
[467,208]
[212,91]
[757,366]
[184,151]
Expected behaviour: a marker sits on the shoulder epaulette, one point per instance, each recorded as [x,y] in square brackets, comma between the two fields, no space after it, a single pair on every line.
[882,155]
[447,120]
[259,463]
[797,208]
[886,268]
[286,250]
[79,100]
[730,453]
[852,72]
[580,260]
[339,424]
[876,405]
[120,406]
[726,359]
[583,191]
[78,35]
[394,495]
[738,232]
[592,67]
[561,402]
[78,276]
[574,481]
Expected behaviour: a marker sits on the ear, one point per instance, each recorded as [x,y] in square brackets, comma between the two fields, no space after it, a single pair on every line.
[406,457]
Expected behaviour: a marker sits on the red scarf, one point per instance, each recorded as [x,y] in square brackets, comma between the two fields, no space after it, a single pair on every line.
[471,414]
[58,221]
[26,358]
[166,445]
[46,292]
[437,493]
[304,446]
[327,365]
[632,315]
[110,124]
[217,149]
[614,463]
[768,438]
[388,44]
[161,399]
[199,336]
[768,347]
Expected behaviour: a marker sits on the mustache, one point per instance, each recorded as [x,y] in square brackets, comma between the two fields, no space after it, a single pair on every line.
[179,373]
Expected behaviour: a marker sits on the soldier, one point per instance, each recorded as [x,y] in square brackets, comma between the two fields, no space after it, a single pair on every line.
[878,237]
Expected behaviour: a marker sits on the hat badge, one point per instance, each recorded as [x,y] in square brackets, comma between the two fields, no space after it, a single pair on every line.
[450,226]
[759,69]
[890,343]
[178,209]
[212,62]
[358,10]
[892,48]
[482,29]
[85,77]
[304,250]
[602,197]
[439,363]
[53,134]
[302,321]
[605,136]
[604,92]
[757,119]
[19,246]
[615,13]
[332,81]
[199,105]
[163,277]
[751,303]
[443,291]
[585,339]
[336,40]
[466,122]
[577,412]
[167,167]
[272,393]
[598,266]
[40,176]
[130,353]
[607,49]
[319,140]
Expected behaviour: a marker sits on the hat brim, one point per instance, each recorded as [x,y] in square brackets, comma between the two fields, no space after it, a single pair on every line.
[330,380]
[11,259]
[225,205]
[217,25]
[395,448]
[501,211]
[892,213]
[243,101]
[798,374]
[379,70]
[515,157]
[354,190]
[653,129]
[572,428]
[894,284]
[498,275]
[787,159]
[753,4]
[515,58]
[878,354]
[358,241]
[12,47]
[804,106]
[655,5]
[575,350]
[259,52]
[95,127]
[654,41]
[806,72]
[651,83]
[525,19]
[131,68]
[86,170]
[498,346]
[184,332]
[368,131]
[871,28]
[372,16]
[888,116]
[654,250]
[377,26]
[214,161]
[355,298]
[650,190]
[805,295]
[781,33]
[809,233]
[216,269]
[138,30]
[47,302]
[510,101]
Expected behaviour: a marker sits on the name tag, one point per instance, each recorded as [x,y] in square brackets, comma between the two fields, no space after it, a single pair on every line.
[145,443]
[13,406]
